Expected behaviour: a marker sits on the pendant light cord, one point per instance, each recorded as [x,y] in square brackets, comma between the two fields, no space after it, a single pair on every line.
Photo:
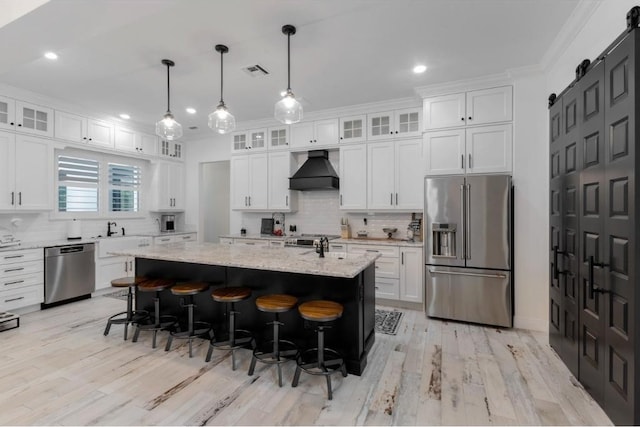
[221,77]
[168,91]
[288,62]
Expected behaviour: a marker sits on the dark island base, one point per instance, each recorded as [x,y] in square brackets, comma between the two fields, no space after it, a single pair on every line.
[353,334]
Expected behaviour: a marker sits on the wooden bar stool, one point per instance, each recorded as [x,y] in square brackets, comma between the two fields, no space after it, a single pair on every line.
[194,329]
[320,360]
[279,351]
[131,315]
[161,322]
[238,338]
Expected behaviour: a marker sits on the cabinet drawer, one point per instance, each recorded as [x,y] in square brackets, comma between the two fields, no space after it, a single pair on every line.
[387,288]
[276,243]
[184,238]
[387,251]
[251,242]
[22,297]
[12,257]
[337,247]
[20,269]
[21,281]
[387,267]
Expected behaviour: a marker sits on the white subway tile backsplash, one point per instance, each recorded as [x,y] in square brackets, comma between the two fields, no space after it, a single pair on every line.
[318,212]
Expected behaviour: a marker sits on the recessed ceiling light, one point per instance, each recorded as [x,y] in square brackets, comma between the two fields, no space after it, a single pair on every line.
[419,69]
[51,55]
[125,116]
[191,110]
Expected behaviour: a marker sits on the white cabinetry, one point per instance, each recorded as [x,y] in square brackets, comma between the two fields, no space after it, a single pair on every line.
[75,128]
[255,140]
[175,238]
[476,107]
[353,177]
[109,267]
[249,182]
[394,124]
[312,135]
[171,149]
[387,268]
[482,149]
[251,242]
[394,175]
[281,167]
[34,119]
[21,278]
[168,180]
[353,129]
[26,118]
[278,137]
[411,274]
[25,172]
[130,140]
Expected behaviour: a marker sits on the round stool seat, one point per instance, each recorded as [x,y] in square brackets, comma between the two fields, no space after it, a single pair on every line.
[189,288]
[125,282]
[276,303]
[154,285]
[231,294]
[320,310]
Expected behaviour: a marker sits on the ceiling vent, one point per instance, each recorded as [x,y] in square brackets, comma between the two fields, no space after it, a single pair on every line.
[255,70]
[193,127]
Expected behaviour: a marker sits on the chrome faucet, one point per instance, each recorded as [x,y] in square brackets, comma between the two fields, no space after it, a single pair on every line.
[323,244]
[109,232]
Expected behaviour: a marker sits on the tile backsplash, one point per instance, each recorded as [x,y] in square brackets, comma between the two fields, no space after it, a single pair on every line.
[318,212]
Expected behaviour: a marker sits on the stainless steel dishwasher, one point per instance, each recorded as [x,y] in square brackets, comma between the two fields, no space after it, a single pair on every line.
[69,273]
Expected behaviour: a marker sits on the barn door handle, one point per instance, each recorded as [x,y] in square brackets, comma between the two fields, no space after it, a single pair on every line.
[592,288]
[556,252]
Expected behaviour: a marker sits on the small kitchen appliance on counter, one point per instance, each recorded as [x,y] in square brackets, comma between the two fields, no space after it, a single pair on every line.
[168,223]
[305,240]
[266,226]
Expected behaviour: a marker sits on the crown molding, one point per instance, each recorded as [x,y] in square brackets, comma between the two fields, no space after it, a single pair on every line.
[483,82]
[569,31]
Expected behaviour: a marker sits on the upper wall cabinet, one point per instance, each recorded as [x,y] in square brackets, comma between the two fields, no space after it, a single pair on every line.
[278,137]
[312,135]
[255,140]
[27,118]
[394,124]
[75,128]
[171,149]
[353,129]
[281,165]
[471,108]
[130,140]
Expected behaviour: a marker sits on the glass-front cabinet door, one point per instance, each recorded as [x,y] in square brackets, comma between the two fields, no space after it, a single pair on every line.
[239,141]
[353,129]
[408,122]
[278,137]
[7,113]
[258,139]
[380,125]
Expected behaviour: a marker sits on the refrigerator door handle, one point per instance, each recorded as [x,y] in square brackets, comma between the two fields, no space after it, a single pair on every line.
[467,228]
[464,228]
[456,273]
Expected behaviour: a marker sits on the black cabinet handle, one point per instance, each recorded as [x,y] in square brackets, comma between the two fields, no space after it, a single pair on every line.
[13,198]
[19,124]
[470,118]
[20,198]
[12,124]
[462,118]
[556,252]
[592,287]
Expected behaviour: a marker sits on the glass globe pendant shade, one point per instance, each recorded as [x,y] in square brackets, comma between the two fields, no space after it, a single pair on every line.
[168,128]
[221,120]
[288,110]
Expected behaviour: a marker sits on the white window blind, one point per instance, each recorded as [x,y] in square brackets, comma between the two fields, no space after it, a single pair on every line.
[124,187]
[78,181]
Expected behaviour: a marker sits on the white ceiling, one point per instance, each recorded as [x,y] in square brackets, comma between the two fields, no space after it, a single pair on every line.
[345,52]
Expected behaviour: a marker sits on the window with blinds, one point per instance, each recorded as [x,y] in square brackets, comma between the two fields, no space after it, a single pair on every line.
[124,187]
[78,184]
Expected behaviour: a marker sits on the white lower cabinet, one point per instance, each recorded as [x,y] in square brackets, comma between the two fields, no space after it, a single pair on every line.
[21,278]
[411,274]
[398,270]
[176,238]
[109,267]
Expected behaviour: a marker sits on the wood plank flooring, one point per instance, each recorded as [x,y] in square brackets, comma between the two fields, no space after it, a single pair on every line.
[58,369]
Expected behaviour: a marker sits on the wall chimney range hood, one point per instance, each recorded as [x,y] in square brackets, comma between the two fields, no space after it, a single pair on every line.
[315,174]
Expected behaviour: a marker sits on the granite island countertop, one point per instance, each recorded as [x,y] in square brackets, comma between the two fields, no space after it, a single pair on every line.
[288,260]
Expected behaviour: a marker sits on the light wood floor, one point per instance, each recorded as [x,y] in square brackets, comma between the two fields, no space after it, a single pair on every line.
[58,369]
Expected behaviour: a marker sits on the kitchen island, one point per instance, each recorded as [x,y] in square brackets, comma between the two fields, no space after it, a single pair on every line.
[347,279]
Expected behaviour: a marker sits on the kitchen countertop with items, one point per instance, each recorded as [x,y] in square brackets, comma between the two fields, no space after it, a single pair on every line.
[353,240]
[289,260]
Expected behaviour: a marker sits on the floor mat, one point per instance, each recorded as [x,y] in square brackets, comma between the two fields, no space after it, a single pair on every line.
[387,322]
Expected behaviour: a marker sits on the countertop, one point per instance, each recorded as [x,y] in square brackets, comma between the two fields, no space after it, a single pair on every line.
[163,233]
[289,260]
[355,240]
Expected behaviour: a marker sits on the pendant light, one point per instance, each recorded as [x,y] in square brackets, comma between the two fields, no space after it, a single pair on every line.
[168,128]
[288,110]
[221,120]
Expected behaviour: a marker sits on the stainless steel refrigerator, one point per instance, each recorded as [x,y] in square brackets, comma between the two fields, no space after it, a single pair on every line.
[468,248]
